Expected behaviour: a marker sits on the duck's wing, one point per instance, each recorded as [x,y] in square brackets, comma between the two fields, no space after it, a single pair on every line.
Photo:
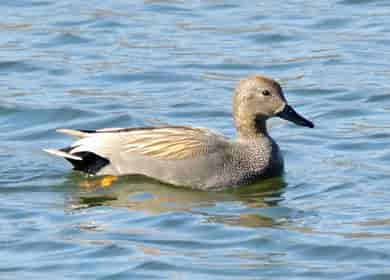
[80,133]
[161,142]
[172,143]
[164,142]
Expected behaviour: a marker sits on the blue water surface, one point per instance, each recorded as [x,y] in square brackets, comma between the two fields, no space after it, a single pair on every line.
[94,64]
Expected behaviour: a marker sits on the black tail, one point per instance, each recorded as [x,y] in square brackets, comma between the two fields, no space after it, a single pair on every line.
[91,163]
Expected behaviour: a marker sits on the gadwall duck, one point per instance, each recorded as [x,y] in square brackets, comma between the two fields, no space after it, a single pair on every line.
[192,157]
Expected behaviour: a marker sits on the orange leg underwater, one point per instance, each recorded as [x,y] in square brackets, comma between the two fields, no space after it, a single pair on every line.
[104,182]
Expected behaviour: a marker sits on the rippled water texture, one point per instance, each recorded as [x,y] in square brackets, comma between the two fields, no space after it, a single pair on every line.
[94,64]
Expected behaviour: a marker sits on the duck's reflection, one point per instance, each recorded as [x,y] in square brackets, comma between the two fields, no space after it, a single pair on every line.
[141,194]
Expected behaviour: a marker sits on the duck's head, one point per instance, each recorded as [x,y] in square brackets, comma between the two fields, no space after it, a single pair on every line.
[258,98]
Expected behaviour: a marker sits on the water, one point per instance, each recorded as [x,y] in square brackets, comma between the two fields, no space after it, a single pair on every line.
[96,64]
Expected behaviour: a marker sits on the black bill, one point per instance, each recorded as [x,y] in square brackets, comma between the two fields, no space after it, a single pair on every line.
[288,113]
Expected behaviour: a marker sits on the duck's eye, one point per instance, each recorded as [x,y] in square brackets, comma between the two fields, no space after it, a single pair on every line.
[266,92]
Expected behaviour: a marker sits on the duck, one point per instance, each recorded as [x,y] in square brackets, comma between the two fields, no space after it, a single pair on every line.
[192,157]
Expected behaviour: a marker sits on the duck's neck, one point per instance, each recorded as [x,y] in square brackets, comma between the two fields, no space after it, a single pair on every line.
[253,128]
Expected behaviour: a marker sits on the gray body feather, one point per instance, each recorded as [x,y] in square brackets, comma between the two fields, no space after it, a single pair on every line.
[216,163]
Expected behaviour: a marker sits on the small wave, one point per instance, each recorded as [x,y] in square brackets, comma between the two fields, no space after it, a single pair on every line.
[65,39]
[17,67]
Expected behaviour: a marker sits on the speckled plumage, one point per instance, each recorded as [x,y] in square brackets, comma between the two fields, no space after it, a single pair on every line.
[193,157]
